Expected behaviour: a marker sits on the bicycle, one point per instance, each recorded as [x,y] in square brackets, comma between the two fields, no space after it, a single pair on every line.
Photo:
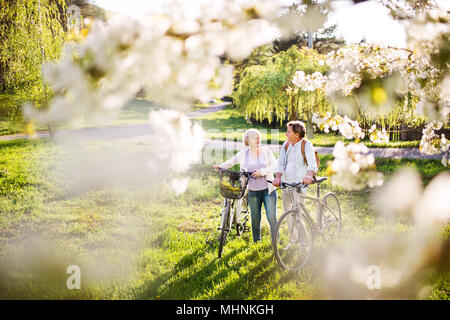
[296,229]
[233,187]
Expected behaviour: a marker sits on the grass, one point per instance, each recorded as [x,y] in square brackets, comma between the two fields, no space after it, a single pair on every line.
[225,124]
[134,112]
[139,241]
[230,124]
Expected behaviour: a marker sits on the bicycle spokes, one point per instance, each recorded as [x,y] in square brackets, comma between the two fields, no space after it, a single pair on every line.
[293,241]
[331,218]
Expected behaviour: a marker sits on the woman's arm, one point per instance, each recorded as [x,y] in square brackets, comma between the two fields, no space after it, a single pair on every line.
[281,165]
[271,163]
[232,161]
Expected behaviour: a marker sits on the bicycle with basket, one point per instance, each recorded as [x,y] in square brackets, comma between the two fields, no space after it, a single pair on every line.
[235,212]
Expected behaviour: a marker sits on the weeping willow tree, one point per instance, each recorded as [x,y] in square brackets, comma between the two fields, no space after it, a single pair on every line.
[266,92]
[31,32]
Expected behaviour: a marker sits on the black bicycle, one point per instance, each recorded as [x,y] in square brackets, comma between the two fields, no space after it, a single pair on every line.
[235,212]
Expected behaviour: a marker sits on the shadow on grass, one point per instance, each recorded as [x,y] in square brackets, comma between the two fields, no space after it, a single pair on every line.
[189,285]
[242,273]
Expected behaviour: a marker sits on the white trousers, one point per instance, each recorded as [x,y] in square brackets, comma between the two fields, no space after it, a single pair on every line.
[297,229]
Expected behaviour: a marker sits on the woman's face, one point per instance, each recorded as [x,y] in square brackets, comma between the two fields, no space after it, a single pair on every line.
[254,140]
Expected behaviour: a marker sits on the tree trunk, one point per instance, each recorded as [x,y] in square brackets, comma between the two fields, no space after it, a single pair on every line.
[1,79]
[309,126]
[310,38]
[293,113]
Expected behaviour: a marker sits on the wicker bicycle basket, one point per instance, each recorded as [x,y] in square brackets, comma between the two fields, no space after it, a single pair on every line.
[233,184]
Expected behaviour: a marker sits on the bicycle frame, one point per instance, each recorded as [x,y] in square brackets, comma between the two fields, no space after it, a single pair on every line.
[304,222]
[300,207]
[234,207]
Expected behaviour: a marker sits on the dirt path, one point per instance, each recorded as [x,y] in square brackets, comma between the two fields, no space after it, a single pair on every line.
[142,133]
[111,132]
[394,153]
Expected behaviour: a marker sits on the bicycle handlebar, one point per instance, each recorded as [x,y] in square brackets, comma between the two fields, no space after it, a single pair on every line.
[248,174]
[297,185]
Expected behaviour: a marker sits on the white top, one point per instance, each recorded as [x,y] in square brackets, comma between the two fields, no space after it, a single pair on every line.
[253,164]
[291,164]
[267,171]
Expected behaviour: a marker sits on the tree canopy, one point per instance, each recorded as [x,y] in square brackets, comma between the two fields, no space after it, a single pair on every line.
[266,92]
[31,32]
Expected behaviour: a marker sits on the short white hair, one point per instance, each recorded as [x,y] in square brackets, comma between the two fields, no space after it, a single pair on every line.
[248,133]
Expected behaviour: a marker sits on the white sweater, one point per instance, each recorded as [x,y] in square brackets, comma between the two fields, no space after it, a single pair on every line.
[267,171]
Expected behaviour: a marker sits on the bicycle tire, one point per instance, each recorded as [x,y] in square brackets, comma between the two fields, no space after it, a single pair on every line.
[293,254]
[241,225]
[225,227]
[331,217]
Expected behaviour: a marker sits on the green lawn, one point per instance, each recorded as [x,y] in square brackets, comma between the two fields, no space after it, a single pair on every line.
[230,124]
[225,124]
[141,241]
[134,112]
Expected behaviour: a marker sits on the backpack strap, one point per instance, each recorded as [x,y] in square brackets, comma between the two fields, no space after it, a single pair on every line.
[306,162]
[303,151]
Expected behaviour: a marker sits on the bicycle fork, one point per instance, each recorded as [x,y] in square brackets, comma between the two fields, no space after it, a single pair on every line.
[223,223]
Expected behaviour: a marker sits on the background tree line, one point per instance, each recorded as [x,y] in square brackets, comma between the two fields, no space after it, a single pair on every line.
[31,33]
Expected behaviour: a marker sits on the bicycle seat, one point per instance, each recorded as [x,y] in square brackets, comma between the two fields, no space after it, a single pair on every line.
[319,180]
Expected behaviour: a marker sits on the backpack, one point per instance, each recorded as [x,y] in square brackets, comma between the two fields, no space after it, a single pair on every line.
[286,146]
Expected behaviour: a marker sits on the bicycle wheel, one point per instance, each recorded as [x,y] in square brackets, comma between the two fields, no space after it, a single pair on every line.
[331,218]
[225,226]
[293,241]
[242,218]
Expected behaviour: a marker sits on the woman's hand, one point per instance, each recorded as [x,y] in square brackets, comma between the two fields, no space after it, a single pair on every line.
[216,167]
[257,174]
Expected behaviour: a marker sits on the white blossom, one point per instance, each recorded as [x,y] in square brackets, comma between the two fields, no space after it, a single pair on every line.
[445,160]
[179,185]
[430,142]
[432,207]
[353,168]
[399,195]
[327,122]
[350,129]
[377,136]
[311,82]
[177,141]
[175,57]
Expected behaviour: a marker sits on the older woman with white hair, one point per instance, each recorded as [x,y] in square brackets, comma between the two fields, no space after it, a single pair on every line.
[261,160]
